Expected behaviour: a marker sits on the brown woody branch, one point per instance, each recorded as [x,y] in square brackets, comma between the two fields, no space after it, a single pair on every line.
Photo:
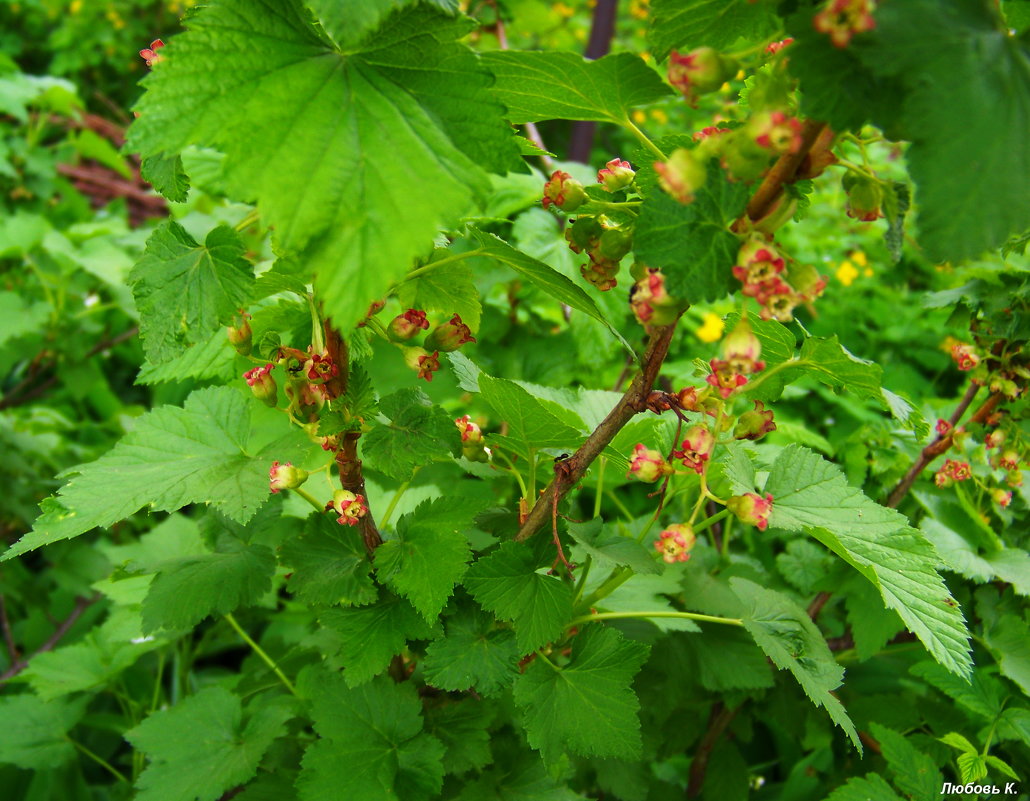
[347,462]
[783,172]
[81,605]
[718,720]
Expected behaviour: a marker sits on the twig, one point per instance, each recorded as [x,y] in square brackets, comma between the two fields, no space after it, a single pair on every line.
[782,172]
[718,720]
[81,605]
[5,623]
[602,29]
[942,443]
[576,466]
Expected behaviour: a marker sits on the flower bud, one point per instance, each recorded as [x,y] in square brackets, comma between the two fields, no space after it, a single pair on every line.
[600,272]
[700,71]
[1009,460]
[995,439]
[285,476]
[563,191]
[405,327]
[675,542]
[696,448]
[754,424]
[240,335]
[616,175]
[865,197]
[374,308]
[943,427]
[470,432]
[752,509]
[647,465]
[449,336]
[262,384]
[1001,497]
[615,243]
[422,362]
[742,344]
[681,175]
[349,506]
[583,234]
[650,302]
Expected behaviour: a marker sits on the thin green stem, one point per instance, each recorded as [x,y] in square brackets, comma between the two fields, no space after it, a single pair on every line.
[584,571]
[643,138]
[728,621]
[554,667]
[601,462]
[257,649]
[248,220]
[767,374]
[99,760]
[393,503]
[309,498]
[618,577]
[155,698]
[425,268]
[711,521]
[618,503]
[513,470]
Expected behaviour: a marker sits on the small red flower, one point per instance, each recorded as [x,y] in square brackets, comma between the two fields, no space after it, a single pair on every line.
[450,335]
[349,506]
[617,174]
[775,47]
[262,384]
[406,326]
[563,191]
[842,19]
[775,131]
[943,427]
[675,542]
[754,424]
[965,356]
[150,54]
[696,448]
[951,471]
[752,509]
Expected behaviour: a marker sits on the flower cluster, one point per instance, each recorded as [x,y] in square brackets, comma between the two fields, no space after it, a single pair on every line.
[951,471]
[842,19]
[760,268]
[445,337]
[651,303]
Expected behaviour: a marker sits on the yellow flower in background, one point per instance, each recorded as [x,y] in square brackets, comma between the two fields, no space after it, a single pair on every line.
[847,273]
[639,117]
[659,116]
[75,7]
[563,10]
[711,328]
[859,258]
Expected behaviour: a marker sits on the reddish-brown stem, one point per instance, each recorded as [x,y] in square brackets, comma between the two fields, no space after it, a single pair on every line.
[942,443]
[718,720]
[602,29]
[5,623]
[575,467]
[81,605]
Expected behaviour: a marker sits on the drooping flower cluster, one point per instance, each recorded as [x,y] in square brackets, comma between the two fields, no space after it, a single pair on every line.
[760,268]
[445,337]
[651,303]
[604,245]
[675,543]
[951,471]
[842,19]
[473,446]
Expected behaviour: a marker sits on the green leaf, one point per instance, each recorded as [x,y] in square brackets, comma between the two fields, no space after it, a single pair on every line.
[539,86]
[429,554]
[727,659]
[965,113]
[18,317]
[971,767]
[419,432]
[185,290]
[915,773]
[829,363]
[375,733]
[334,143]
[517,775]
[201,747]
[166,176]
[39,737]
[1001,765]
[507,583]
[870,787]
[587,706]
[604,544]
[692,243]
[812,495]
[791,640]
[980,694]
[448,289]
[1009,642]
[530,423]
[187,590]
[556,285]
[370,636]
[462,728]
[474,654]
[328,565]
[171,458]
[872,624]
[348,25]
[214,358]
[714,23]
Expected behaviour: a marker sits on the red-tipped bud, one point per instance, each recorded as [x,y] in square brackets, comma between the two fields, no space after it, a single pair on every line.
[675,542]
[150,54]
[240,335]
[754,424]
[995,439]
[350,507]
[775,47]
[696,448]
[865,197]
[285,476]
[842,19]
[681,175]
[700,71]
[262,384]
[450,336]
[1009,460]
[374,308]
[742,345]
[752,509]
[647,465]
[563,191]
[1001,497]
[617,174]
[405,327]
